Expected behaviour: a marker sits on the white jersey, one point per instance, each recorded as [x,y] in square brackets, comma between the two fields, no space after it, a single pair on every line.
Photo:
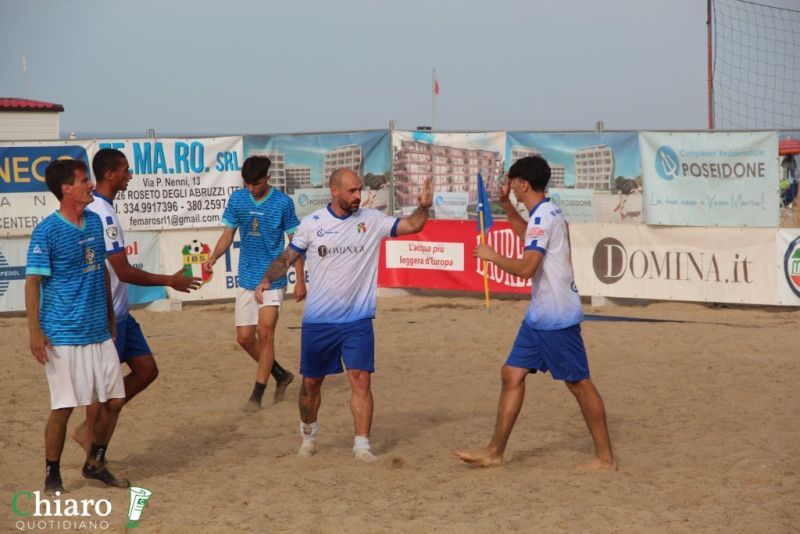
[115,244]
[555,302]
[342,261]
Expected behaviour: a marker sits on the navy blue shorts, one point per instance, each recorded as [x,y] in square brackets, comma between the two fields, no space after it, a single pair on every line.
[559,351]
[323,346]
[130,340]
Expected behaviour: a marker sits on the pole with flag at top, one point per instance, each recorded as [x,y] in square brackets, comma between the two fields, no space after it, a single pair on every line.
[485,221]
[434,94]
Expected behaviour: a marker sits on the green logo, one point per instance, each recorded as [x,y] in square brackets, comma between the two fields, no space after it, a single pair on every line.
[139,498]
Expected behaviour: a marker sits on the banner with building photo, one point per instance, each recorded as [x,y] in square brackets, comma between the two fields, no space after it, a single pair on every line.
[607,163]
[788,255]
[711,178]
[452,160]
[674,263]
[13,259]
[24,198]
[188,250]
[303,163]
[576,204]
[176,183]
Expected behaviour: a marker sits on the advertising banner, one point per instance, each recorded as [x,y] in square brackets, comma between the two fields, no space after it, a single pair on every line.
[176,183]
[303,163]
[711,179]
[691,264]
[187,250]
[440,257]
[143,253]
[607,163]
[451,205]
[577,204]
[24,197]
[451,160]
[788,254]
[13,258]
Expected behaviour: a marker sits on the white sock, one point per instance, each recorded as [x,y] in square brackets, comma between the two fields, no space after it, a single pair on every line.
[309,431]
[361,442]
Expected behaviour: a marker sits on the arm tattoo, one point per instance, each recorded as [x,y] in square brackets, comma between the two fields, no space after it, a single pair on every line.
[281,265]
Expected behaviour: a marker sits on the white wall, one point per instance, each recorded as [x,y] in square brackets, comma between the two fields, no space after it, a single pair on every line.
[25,125]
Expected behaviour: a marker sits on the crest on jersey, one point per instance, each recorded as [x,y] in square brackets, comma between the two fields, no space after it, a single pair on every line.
[361,228]
[89,256]
[254,228]
[112,232]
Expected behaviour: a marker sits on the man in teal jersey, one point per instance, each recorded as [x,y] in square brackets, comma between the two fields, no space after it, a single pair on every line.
[262,215]
[71,321]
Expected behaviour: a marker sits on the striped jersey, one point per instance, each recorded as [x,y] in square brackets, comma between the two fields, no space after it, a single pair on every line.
[261,227]
[555,302]
[342,261]
[71,261]
[115,244]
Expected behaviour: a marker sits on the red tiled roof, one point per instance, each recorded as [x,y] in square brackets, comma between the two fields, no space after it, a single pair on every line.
[23,104]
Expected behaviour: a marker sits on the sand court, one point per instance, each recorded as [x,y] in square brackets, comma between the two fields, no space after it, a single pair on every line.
[702,412]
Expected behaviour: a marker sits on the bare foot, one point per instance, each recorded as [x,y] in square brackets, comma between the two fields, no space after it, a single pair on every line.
[481,458]
[80,435]
[597,464]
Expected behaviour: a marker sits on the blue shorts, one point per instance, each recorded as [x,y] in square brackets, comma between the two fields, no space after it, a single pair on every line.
[323,346]
[130,340]
[559,351]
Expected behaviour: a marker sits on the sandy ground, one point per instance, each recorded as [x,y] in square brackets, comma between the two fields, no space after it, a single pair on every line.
[703,414]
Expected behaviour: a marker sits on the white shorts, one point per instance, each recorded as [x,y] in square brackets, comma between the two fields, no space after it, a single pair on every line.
[247,307]
[79,375]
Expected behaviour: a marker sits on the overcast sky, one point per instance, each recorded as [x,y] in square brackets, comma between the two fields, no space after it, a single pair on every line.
[240,66]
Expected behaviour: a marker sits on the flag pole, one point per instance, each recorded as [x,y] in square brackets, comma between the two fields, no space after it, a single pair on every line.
[485,264]
[433,99]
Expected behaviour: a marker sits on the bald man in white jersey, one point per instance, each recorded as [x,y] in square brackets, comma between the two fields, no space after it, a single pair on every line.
[341,243]
[549,339]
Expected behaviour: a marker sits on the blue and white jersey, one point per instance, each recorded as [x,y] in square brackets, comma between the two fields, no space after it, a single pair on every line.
[115,244]
[342,261]
[555,302]
[71,262]
[261,227]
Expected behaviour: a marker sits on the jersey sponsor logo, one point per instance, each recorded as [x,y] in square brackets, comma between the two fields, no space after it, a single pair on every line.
[112,232]
[535,232]
[324,251]
[791,266]
[195,255]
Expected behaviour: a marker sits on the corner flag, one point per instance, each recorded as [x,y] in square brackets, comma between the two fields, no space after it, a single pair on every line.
[484,207]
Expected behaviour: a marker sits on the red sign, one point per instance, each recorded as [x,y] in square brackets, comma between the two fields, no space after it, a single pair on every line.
[440,257]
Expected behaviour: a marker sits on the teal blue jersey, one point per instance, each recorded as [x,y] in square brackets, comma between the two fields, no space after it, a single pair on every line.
[71,262]
[262,225]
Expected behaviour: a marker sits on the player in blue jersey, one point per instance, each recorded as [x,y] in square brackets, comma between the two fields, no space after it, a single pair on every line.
[549,338]
[71,321]
[112,174]
[262,214]
[341,243]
